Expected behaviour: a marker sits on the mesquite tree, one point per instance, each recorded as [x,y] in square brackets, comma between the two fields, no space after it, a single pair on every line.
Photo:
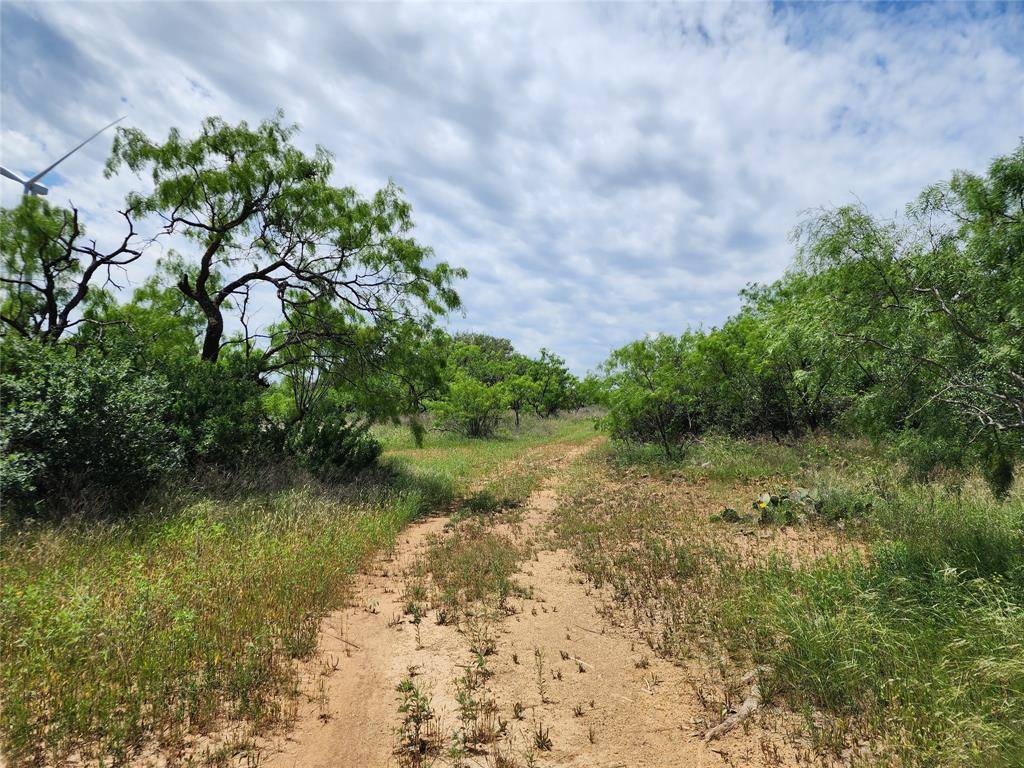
[50,265]
[261,213]
[933,306]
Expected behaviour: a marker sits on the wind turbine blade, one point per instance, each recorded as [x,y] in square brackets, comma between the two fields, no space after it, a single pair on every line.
[45,171]
[11,175]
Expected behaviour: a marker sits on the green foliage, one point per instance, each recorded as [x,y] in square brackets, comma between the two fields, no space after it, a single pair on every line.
[837,503]
[492,348]
[353,298]
[417,732]
[485,376]
[385,373]
[217,411]
[542,385]
[906,331]
[553,387]
[261,212]
[521,390]
[155,325]
[487,359]
[30,242]
[932,309]
[765,371]
[472,408]
[78,422]
[647,400]
[592,390]
[331,445]
[997,469]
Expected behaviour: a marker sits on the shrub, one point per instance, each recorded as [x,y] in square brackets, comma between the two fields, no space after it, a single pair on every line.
[927,454]
[217,410]
[997,469]
[649,396]
[76,422]
[331,446]
[473,408]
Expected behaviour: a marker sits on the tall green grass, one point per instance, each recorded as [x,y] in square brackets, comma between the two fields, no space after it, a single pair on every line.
[131,633]
[920,643]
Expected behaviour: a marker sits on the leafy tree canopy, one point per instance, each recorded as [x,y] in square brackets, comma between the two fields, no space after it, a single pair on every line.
[909,329]
[263,214]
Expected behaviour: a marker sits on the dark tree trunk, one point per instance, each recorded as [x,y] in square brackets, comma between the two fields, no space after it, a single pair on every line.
[214,332]
[210,308]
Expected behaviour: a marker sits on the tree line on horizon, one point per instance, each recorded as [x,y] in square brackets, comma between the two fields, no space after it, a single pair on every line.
[908,331]
[103,398]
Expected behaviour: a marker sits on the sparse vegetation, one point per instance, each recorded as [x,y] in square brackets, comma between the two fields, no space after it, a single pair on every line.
[230,577]
[883,628]
[542,680]
[812,508]
[478,712]
[542,737]
[418,735]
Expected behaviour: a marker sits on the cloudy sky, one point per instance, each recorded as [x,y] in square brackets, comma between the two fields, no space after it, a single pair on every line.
[603,170]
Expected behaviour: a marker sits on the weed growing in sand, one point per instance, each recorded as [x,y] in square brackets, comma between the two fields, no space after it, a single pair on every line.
[480,633]
[504,757]
[542,683]
[418,734]
[478,712]
[542,737]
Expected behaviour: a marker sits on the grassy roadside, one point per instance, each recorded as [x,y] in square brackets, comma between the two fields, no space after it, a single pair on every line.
[890,614]
[117,635]
[462,460]
[459,463]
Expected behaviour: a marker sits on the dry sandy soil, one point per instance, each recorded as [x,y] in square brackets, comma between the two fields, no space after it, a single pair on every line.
[606,702]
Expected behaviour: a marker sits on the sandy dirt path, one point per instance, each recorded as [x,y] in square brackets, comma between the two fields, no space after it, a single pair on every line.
[351,721]
[608,701]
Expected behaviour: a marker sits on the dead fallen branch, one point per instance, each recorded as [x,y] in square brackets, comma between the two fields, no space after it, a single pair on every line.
[746,709]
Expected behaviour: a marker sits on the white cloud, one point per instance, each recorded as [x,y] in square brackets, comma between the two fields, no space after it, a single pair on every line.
[604,171]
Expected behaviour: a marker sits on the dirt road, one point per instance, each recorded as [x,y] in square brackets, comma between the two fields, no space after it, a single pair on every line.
[580,678]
